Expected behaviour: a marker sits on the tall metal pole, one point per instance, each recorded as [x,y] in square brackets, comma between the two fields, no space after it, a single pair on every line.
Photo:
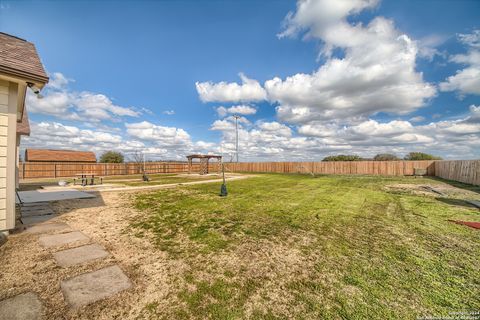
[236,133]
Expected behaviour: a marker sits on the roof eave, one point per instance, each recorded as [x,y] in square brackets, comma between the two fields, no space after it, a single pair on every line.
[38,80]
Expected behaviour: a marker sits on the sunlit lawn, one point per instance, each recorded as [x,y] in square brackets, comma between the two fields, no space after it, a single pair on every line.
[294,246]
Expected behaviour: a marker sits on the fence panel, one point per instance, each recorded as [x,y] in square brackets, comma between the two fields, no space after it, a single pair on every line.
[389,168]
[467,171]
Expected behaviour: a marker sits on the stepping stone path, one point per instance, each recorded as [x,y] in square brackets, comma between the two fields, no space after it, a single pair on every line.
[61,239]
[77,291]
[25,306]
[47,227]
[93,286]
[70,257]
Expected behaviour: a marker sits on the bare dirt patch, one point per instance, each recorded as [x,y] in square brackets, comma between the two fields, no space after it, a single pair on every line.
[434,190]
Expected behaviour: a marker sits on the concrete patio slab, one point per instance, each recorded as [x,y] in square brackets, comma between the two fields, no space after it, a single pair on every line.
[49,195]
[93,286]
[61,239]
[47,227]
[25,306]
[37,219]
[83,254]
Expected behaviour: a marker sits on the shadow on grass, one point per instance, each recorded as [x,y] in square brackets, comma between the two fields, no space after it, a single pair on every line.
[460,185]
[456,202]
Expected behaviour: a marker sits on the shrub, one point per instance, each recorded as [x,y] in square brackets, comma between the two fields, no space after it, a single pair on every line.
[421,156]
[111,157]
[343,157]
[385,157]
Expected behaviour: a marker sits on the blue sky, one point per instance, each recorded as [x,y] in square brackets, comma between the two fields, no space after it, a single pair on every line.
[124,76]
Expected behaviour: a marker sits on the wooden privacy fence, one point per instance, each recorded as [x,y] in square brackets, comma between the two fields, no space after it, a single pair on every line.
[467,171]
[56,170]
[394,168]
[386,168]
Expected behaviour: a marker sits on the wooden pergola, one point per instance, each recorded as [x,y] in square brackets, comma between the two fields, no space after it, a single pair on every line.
[204,159]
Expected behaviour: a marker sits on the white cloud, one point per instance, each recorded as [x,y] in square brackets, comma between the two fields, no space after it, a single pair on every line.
[60,102]
[56,135]
[467,80]
[58,81]
[238,110]
[158,142]
[376,74]
[169,112]
[249,90]
[417,119]
[162,136]
[427,46]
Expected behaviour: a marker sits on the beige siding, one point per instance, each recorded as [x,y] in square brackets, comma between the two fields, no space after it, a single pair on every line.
[4,92]
[8,146]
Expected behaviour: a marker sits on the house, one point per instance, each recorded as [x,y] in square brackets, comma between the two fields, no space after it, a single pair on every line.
[47,155]
[20,69]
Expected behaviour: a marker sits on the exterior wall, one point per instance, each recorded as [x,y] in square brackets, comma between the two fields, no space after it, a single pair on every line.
[8,145]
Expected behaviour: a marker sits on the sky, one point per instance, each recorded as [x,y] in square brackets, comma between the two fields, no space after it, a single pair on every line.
[308,78]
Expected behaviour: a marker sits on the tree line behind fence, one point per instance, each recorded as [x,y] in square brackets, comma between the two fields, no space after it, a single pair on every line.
[467,171]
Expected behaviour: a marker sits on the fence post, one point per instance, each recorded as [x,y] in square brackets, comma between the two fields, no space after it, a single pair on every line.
[23,170]
[55,170]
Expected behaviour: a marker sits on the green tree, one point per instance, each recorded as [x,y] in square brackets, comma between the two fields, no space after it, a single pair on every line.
[111,157]
[421,156]
[343,157]
[385,157]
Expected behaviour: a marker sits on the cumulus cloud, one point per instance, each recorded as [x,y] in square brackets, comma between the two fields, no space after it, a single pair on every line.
[376,74]
[157,142]
[56,135]
[417,119]
[162,136]
[239,110]
[248,90]
[60,102]
[312,141]
[466,80]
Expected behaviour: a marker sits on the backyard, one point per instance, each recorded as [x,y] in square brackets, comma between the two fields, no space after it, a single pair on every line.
[277,247]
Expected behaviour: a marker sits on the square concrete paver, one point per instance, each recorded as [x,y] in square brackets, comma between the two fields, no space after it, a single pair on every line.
[25,306]
[61,239]
[93,286]
[47,227]
[70,257]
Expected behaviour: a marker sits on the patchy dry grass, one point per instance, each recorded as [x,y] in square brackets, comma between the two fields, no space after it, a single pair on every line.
[293,246]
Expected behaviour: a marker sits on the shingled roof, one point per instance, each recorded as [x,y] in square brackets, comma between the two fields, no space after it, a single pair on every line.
[19,58]
[23,126]
[48,155]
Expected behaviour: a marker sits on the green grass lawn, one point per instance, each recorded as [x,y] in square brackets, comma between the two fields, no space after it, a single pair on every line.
[331,247]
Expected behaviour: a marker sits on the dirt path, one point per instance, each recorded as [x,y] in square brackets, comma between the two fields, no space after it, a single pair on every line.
[167,186]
